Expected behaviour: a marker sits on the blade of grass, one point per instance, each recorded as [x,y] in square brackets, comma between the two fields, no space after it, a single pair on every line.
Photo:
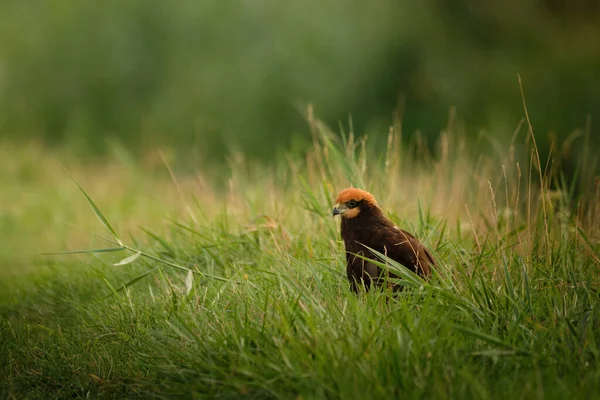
[107,250]
[129,283]
[98,213]
[489,338]
[128,260]
[169,250]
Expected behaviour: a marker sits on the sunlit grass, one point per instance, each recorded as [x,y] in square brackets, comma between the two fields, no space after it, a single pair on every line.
[237,289]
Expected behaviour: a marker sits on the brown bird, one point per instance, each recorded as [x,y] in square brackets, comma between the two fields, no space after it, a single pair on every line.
[365,226]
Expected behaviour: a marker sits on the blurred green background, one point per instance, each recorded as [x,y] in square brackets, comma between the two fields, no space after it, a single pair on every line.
[219,75]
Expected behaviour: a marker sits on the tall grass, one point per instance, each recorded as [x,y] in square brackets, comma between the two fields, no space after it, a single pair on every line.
[244,294]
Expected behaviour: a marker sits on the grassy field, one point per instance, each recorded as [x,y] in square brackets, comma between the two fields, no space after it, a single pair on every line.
[236,288]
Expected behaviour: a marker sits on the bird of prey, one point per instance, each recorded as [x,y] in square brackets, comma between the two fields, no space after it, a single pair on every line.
[364,226]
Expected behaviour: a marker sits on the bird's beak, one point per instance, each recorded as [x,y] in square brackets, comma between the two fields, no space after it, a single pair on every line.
[337,210]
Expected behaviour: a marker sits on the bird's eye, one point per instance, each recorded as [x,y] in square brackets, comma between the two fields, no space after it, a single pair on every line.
[352,204]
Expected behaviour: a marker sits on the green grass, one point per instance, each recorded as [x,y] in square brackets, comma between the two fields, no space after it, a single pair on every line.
[239,290]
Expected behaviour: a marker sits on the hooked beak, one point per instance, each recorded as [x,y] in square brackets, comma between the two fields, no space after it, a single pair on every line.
[339,209]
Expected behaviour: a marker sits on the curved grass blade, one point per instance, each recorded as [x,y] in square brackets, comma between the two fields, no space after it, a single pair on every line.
[189,282]
[414,280]
[131,282]
[169,250]
[128,260]
[387,263]
[489,338]
[98,213]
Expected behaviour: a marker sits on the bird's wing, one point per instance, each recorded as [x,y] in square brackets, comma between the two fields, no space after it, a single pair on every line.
[404,248]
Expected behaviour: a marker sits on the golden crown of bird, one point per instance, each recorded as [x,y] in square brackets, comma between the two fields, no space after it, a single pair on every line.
[364,226]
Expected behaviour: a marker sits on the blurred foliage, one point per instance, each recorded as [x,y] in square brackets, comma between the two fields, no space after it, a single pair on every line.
[216,75]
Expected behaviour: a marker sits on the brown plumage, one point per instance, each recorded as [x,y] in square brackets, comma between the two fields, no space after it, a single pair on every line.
[365,225]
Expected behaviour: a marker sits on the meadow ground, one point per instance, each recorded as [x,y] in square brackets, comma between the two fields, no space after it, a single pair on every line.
[237,289]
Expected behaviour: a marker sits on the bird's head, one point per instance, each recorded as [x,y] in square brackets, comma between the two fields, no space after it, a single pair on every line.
[351,201]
